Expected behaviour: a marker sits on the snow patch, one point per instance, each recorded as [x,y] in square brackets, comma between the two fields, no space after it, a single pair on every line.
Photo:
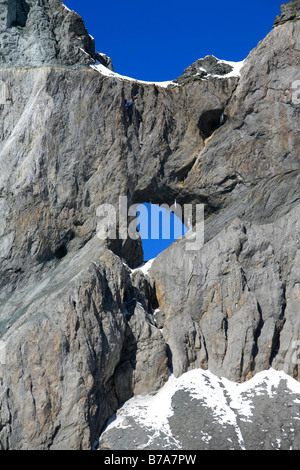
[235,72]
[145,268]
[237,67]
[65,6]
[109,73]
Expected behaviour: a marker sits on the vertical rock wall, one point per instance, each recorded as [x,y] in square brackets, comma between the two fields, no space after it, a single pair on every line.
[76,323]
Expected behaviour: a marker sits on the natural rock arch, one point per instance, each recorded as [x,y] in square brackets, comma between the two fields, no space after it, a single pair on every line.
[159,227]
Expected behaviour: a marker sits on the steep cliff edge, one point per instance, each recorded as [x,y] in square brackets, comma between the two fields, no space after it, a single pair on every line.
[44,33]
[289,12]
[77,322]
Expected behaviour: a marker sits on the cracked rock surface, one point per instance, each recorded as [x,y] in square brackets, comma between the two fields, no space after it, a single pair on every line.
[82,329]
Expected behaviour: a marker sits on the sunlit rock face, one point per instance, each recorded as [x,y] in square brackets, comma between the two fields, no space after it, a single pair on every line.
[290,11]
[83,329]
[201,411]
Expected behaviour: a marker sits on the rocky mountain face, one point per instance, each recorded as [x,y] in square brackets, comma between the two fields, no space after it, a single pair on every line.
[289,11]
[82,329]
[35,33]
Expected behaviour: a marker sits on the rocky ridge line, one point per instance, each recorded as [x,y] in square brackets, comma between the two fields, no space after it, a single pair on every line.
[289,12]
[82,331]
[34,34]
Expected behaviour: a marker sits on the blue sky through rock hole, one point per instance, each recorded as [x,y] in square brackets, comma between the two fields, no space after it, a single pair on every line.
[158,228]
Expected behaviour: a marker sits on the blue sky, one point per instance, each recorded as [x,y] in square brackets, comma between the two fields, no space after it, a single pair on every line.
[158,229]
[157,40]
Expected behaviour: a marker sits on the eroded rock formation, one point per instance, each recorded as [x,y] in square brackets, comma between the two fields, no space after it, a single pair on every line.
[76,318]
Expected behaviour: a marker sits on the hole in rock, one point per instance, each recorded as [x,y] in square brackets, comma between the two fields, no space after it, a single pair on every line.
[209,121]
[17,13]
[159,227]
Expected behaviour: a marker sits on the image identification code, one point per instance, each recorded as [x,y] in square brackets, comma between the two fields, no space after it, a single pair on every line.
[151,459]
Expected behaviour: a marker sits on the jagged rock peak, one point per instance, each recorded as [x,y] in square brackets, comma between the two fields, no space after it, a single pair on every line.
[289,11]
[209,68]
[44,32]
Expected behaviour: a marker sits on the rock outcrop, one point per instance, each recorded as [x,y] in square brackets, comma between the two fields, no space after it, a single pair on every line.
[72,352]
[289,11]
[200,411]
[82,329]
[233,307]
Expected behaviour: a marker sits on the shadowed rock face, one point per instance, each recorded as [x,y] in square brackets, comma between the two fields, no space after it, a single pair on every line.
[14,13]
[61,161]
[76,321]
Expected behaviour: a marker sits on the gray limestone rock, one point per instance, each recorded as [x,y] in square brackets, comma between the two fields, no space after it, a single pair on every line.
[208,68]
[289,11]
[36,33]
[241,171]
[81,330]
[59,162]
